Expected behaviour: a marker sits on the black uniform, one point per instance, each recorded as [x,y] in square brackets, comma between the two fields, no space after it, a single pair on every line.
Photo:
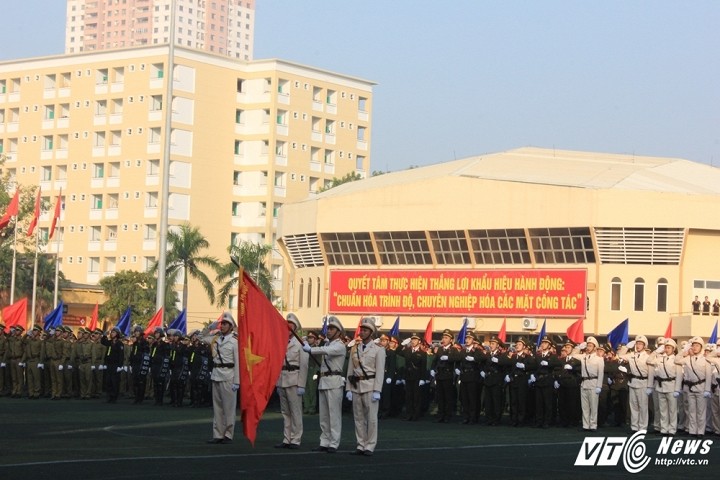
[495,367]
[569,391]
[159,368]
[471,360]
[443,364]
[140,365]
[178,373]
[114,357]
[544,380]
[521,365]
[415,370]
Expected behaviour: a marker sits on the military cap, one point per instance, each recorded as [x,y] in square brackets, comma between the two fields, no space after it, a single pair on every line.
[547,339]
[497,340]
[709,347]
[227,317]
[448,333]
[333,321]
[19,328]
[98,331]
[471,335]
[293,319]
[37,328]
[569,342]
[606,346]
[671,342]
[641,338]
[592,340]
[415,335]
[522,340]
[369,323]
[67,329]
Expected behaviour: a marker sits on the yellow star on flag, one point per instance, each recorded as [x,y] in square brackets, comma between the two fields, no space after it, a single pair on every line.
[251,359]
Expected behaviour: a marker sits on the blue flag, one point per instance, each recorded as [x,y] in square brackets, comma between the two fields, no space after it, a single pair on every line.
[395,330]
[55,318]
[463,332]
[124,323]
[619,334]
[180,323]
[713,335]
[542,334]
[323,330]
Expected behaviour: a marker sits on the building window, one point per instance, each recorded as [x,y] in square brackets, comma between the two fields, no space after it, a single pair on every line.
[615,294]
[639,294]
[309,293]
[300,293]
[662,292]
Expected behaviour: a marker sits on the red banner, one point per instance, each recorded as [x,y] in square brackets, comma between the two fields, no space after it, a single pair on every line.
[550,293]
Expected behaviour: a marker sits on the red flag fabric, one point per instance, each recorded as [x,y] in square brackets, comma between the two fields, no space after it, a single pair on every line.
[668,332]
[56,215]
[575,331]
[36,214]
[357,330]
[428,331]
[502,334]
[263,336]
[15,314]
[155,321]
[93,324]
[12,209]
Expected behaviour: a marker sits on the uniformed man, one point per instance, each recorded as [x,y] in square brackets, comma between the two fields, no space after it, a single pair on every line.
[397,385]
[592,368]
[16,351]
[159,365]
[114,356]
[567,384]
[545,361]
[97,363]
[654,400]
[415,359]
[310,399]
[365,380]
[4,379]
[635,357]
[177,355]
[389,374]
[225,377]
[82,357]
[291,387]
[442,370]
[521,364]
[139,363]
[494,375]
[67,345]
[331,385]
[663,376]
[468,370]
[694,384]
[33,359]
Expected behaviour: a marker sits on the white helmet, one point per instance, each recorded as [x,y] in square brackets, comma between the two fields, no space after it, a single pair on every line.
[369,323]
[641,338]
[292,318]
[227,317]
[593,341]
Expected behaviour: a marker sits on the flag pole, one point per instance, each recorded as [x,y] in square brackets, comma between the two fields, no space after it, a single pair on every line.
[57,255]
[14,263]
[35,269]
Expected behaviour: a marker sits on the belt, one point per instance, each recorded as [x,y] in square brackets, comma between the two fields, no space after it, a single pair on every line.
[692,384]
[224,365]
[365,377]
[637,376]
[589,378]
[661,380]
[290,368]
[329,374]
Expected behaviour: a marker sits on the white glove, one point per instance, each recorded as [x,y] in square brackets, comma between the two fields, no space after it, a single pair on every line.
[649,391]
[92,367]
[235,387]
[520,365]
[532,379]
[306,347]
[21,364]
[403,382]
[568,366]
[125,369]
[131,369]
[421,383]
[507,379]
[707,394]
[315,377]
[405,342]
[598,390]
[376,341]
[676,394]
[482,374]
[60,367]
[119,369]
[348,395]
[398,382]
[300,391]
[457,371]
[432,373]
[375,396]
[443,357]
[388,380]
[622,369]
[582,346]
[41,365]
[631,345]
[543,363]
[609,380]
[494,359]
[351,343]
[686,348]
[3,365]
[556,385]
[103,367]
[660,349]
[470,358]
[69,367]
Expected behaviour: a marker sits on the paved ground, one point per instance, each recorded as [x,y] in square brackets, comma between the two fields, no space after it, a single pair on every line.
[90,439]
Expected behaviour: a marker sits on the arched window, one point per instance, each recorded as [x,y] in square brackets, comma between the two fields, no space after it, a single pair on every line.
[300,291]
[662,293]
[309,299]
[318,293]
[639,294]
[615,293]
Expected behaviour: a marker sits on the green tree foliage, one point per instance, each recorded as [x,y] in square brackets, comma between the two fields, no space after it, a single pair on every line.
[137,290]
[350,177]
[252,258]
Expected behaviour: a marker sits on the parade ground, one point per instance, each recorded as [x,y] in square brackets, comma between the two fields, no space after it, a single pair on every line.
[93,440]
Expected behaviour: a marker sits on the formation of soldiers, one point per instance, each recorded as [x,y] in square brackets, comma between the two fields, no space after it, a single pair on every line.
[61,364]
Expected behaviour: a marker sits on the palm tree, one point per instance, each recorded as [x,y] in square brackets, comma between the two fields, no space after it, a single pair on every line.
[251,257]
[184,257]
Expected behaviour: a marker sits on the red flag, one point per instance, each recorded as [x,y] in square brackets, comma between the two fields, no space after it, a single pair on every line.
[36,214]
[502,334]
[56,215]
[155,322]
[12,209]
[428,331]
[262,334]
[575,331]
[15,314]
[93,319]
[668,332]
[357,330]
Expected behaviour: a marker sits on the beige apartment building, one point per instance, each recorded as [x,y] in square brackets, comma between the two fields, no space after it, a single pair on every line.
[524,237]
[222,27]
[246,138]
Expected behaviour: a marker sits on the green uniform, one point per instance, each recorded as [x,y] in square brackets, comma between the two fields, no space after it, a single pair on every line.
[34,359]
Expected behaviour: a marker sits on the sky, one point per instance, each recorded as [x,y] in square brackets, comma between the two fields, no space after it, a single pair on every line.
[462,78]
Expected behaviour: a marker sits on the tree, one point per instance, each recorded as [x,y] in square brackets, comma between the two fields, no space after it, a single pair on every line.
[137,290]
[183,257]
[350,177]
[251,257]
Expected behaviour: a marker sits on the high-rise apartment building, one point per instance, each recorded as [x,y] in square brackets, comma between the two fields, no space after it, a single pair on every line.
[222,27]
[246,138]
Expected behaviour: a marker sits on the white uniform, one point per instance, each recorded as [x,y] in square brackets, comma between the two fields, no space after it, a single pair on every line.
[638,370]
[695,381]
[225,374]
[331,391]
[592,368]
[715,399]
[292,376]
[367,365]
[663,375]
